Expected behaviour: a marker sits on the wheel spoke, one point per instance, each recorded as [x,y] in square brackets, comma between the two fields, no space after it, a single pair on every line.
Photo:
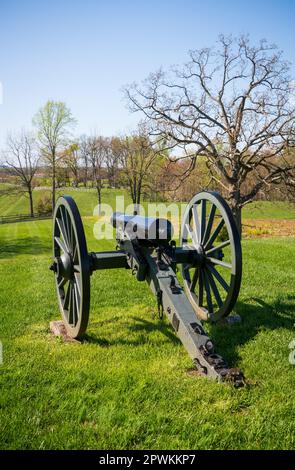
[65,222]
[200,290]
[196,223]
[77,268]
[77,300]
[61,244]
[63,232]
[214,234]
[70,232]
[194,280]
[62,282]
[67,225]
[203,220]
[67,297]
[193,235]
[220,263]
[214,288]
[78,282]
[209,224]
[218,247]
[218,276]
[208,293]
[75,253]
[72,307]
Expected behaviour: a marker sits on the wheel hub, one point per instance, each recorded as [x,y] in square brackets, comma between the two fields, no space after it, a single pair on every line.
[65,266]
[200,256]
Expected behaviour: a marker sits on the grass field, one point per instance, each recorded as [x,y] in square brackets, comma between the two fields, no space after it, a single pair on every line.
[87,200]
[127,385]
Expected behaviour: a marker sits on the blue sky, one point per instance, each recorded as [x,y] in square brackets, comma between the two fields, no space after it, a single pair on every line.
[83,52]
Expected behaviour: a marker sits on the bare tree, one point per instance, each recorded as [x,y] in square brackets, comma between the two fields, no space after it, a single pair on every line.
[231,104]
[112,161]
[71,158]
[84,155]
[21,161]
[136,155]
[96,153]
[53,122]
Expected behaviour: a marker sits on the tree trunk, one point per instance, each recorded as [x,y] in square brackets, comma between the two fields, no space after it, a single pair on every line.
[31,202]
[234,202]
[138,197]
[98,189]
[132,186]
[237,213]
[110,178]
[53,182]
[53,190]
[85,174]
[76,180]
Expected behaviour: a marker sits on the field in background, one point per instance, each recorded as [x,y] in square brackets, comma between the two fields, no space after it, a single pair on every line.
[87,200]
[128,385]
[260,219]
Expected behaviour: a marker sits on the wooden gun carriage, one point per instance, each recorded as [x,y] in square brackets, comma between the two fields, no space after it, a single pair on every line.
[209,256]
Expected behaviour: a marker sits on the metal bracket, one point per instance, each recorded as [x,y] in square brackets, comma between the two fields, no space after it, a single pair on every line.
[160,304]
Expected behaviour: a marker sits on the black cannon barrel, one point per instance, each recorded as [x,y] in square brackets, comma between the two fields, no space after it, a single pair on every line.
[143,228]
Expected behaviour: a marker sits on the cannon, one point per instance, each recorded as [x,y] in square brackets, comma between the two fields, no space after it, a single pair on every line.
[209,257]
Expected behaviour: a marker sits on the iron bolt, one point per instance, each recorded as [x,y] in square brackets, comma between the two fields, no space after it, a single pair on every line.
[53,267]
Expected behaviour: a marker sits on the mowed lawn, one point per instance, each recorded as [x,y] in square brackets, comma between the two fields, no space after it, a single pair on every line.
[87,201]
[128,385]
[86,198]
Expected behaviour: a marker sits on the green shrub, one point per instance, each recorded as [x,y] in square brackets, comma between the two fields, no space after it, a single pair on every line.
[223,235]
[44,205]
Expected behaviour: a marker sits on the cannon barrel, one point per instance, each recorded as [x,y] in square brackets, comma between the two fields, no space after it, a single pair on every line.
[143,228]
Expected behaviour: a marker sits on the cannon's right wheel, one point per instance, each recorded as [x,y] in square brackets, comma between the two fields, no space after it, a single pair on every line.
[71,266]
[209,228]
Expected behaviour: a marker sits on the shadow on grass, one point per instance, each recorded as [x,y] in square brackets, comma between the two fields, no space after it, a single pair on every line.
[256,316]
[24,246]
[141,326]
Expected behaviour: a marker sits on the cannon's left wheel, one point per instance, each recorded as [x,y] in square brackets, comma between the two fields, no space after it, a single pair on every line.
[71,266]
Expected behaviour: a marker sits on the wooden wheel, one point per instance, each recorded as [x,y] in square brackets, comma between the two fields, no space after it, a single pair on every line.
[71,266]
[209,227]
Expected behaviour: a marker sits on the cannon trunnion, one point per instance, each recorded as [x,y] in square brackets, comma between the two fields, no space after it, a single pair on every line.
[209,254]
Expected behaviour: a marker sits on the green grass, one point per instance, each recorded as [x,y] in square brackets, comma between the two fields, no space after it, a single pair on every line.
[87,200]
[269,210]
[127,385]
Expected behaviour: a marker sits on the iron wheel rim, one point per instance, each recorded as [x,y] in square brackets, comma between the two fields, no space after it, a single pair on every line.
[207,279]
[72,276]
